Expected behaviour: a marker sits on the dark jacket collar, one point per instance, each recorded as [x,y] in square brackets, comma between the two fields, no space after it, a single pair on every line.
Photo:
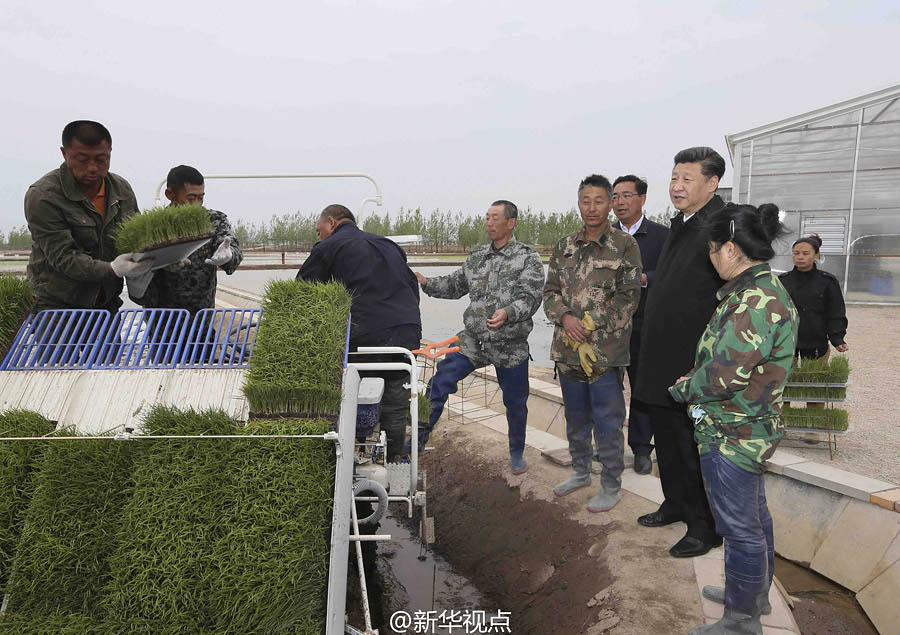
[712,205]
[743,281]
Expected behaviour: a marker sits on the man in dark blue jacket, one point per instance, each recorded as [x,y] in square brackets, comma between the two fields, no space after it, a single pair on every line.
[629,196]
[385,309]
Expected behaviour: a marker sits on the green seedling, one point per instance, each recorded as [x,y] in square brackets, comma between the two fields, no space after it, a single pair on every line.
[298,359]
[162,226]
[16,300]
[826,419]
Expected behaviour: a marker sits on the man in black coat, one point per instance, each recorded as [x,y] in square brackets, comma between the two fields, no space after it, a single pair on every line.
[682,302]
[385,308]
[629,196]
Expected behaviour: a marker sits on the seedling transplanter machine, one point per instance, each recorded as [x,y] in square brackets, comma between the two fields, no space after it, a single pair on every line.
[99,376]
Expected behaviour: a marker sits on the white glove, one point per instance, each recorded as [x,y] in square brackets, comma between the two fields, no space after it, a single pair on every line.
[137,285]
[177,266]
[124,267]
[223,254]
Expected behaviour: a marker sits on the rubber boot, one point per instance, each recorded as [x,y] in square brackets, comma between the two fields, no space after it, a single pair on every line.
[732,623]
[574,482]
[717,594]
[517,464]
[604,501]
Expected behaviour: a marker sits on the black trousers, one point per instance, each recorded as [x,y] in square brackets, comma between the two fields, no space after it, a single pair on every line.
[640,430]
[679,471]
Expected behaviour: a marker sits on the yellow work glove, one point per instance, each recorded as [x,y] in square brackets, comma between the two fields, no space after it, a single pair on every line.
[568,341]
[587,356]
[588,322]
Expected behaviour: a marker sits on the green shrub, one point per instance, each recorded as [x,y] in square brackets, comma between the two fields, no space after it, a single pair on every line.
[61,565]
[163,226]
[818,418]
[15,303]
[298,359]
[18,462]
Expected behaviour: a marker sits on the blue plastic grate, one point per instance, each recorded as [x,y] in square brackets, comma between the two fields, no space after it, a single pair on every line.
[143,338]
[221,338]
[58,339]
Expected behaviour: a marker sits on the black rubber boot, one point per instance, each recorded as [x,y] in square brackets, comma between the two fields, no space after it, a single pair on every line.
[732,623]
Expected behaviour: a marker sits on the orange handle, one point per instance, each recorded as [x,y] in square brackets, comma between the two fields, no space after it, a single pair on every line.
[433,350]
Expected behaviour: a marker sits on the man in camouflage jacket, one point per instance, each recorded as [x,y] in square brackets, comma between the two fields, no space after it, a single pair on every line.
[504,282]
[191,284]
[593,288]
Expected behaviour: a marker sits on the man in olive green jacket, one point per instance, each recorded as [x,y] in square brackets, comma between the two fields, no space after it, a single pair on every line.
[73,214]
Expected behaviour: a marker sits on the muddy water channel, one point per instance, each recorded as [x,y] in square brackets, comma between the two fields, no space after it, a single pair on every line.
[410,586]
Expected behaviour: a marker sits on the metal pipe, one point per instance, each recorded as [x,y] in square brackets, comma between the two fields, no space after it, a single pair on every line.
[343,499]
[309,175]
[371,538]
[135,437]
[364,592]
[852,203]
[413,404]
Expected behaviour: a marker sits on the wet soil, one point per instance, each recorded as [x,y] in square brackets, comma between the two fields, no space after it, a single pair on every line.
[522,553]
[821,607]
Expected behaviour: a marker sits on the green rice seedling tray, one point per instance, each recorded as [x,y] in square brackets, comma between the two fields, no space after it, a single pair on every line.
[170,254]
[16,300]
[162,227]
[300,349]
[830,420]
[19,461]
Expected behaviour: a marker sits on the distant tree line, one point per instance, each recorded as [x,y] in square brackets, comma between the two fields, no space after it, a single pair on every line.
[438,229]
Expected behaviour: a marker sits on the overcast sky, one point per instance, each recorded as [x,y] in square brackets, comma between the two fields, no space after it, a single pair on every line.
[446,104]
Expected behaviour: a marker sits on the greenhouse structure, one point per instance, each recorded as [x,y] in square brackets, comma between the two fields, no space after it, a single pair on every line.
[834,172]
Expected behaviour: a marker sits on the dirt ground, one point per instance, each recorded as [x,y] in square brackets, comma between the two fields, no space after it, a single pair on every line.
[872,447]
[555,566]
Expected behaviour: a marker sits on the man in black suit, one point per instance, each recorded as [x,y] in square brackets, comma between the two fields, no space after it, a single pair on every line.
[629,196]
[682,302]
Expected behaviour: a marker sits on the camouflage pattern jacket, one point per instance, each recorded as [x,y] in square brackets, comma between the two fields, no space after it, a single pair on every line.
[193,286]
[601,277]
[734,391]
[73,244]
[509,278]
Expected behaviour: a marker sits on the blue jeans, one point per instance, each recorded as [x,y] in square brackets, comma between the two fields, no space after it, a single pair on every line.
[738,502]
[596,408]
[513,382]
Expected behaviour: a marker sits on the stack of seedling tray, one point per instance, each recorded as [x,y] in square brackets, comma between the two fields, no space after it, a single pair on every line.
[15,303]
[818,382]
[173,535]
[300,351]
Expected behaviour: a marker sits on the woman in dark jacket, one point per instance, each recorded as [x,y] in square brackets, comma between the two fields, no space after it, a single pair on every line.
[819,301]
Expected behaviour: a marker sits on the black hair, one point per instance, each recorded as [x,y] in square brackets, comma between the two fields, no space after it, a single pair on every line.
[639,184]
[90,133]
[338,213]
[509,208]
[711,162]
[596,180]
[181,175]
[813,241]
[753,229]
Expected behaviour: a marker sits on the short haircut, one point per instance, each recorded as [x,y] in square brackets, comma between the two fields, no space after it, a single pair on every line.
[711,162]
[338,213]
[181,175]
[509,208]
[90,133]
[753,229]
[639,184]
[596,180]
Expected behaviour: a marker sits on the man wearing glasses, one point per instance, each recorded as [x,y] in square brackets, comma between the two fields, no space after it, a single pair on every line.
[629,196]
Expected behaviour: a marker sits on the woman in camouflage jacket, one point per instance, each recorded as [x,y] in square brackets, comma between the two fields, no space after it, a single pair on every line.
[734,395]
